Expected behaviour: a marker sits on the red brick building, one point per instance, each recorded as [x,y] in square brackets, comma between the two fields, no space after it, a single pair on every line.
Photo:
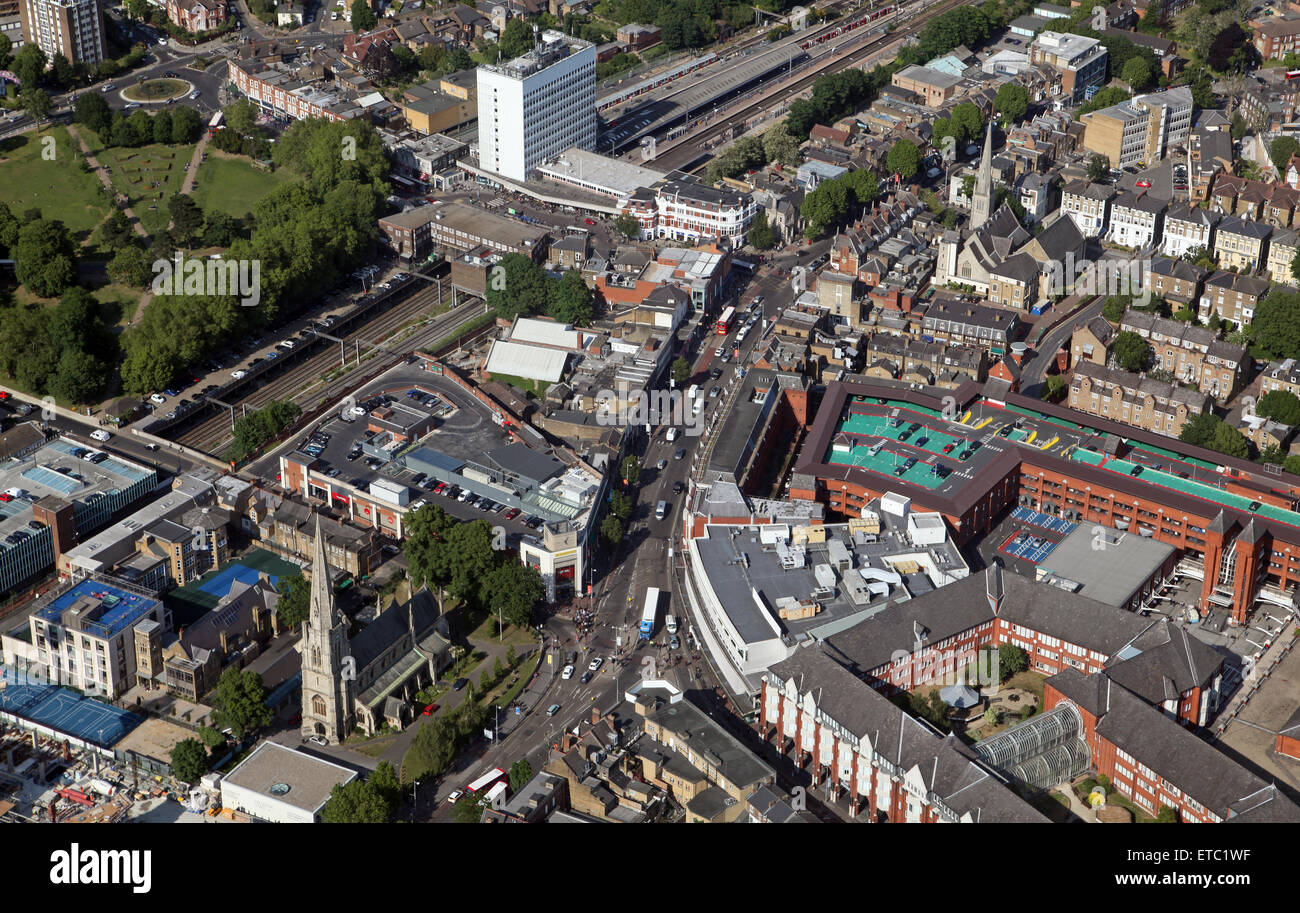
[1155,762]
[1236,551]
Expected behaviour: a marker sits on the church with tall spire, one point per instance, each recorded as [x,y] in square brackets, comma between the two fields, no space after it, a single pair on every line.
[327,664]
[371,678]
[997,258]
[981,203]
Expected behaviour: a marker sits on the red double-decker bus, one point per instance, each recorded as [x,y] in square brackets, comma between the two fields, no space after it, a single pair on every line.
[727,318]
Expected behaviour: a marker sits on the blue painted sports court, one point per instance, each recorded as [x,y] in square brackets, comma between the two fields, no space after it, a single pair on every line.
[64,710]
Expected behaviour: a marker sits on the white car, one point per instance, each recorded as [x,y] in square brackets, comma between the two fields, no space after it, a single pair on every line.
[158,398]
[238,375]
[717,353]
[596,664]
[288,344]
[318,740]
[567,673]
[100,435]
[358,411]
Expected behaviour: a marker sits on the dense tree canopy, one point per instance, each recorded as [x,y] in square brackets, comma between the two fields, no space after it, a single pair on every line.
[903,159]
[1280,405]
[240,702]
[1131,351]
[45,257]
[1213,433]
[1276,326]
[189,760]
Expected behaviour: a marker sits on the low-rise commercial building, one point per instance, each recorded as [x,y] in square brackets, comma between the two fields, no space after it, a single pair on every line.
[279,785]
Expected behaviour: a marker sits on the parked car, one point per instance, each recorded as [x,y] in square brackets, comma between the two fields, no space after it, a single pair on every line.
[459,684]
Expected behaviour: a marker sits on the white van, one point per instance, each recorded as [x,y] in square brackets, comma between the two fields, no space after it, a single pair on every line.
[672,435]
[661,510]
[693,392]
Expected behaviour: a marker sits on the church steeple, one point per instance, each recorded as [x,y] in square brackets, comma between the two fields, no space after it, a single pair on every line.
[323,610]
[328,669]
[982,198]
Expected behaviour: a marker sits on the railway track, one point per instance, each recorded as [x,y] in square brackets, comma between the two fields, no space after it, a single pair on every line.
[213,435]
[688,151]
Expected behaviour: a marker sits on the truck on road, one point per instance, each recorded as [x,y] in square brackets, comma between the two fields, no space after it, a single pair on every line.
[650,612]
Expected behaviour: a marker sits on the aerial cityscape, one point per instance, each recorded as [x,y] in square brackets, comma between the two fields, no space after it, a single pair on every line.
[612,411]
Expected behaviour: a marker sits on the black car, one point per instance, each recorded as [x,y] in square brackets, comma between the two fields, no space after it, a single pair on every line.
[678,488]
[459,684]
[1255,505]
[586,676]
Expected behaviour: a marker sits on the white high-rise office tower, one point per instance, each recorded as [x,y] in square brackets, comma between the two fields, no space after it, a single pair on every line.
[534,107]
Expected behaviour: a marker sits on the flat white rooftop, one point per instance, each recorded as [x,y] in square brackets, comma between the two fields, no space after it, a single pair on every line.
[601,173]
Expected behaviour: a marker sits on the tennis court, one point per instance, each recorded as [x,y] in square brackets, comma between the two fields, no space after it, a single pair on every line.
[1021,545]
[189,602]
[64,710]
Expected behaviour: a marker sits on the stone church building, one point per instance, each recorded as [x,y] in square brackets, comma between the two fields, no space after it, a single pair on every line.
[371,678]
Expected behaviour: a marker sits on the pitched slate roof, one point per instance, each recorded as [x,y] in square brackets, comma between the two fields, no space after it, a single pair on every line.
[951,772]
[1175,753]
[965,604]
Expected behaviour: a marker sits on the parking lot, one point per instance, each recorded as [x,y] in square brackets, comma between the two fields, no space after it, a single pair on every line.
[431,410]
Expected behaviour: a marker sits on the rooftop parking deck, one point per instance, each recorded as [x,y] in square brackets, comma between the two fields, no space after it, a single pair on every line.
[1007,430]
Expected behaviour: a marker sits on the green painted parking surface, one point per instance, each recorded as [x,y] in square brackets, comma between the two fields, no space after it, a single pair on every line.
[886,462]
[878,426]
[1205,492]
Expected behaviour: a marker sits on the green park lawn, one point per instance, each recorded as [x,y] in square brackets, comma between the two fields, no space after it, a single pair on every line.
[232,185]
[59,188]
[148,176]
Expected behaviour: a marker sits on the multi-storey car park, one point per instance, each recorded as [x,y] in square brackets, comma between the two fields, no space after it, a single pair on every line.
[418,433]
[1235,524]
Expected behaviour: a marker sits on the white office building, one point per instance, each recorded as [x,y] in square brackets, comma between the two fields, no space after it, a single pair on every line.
[536,106]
